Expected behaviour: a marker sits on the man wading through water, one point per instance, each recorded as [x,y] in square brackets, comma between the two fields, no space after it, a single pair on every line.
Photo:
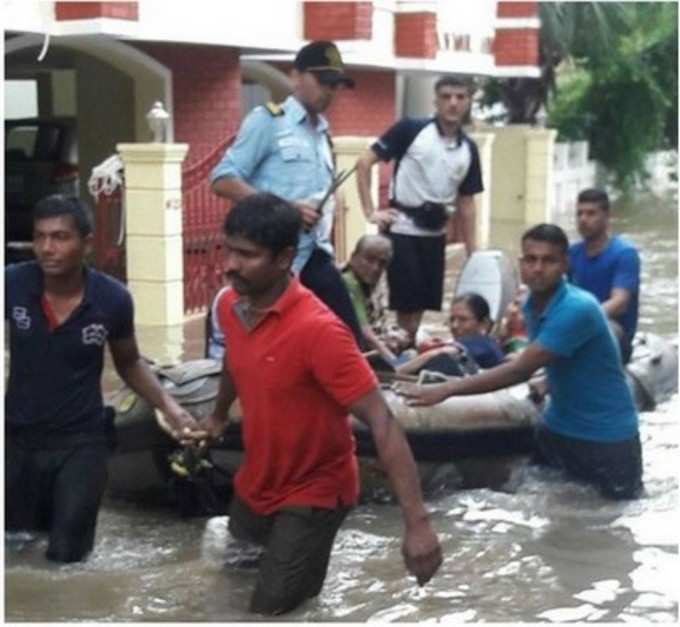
[590,426]
[297,372]
[61,316]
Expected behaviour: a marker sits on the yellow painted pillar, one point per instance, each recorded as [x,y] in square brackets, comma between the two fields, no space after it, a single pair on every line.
[153,222]
[484,141]
[540,150]
[521,182]
[350,223]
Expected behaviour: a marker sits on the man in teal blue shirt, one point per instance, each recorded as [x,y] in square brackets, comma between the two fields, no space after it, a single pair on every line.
[590,427]
[286,150]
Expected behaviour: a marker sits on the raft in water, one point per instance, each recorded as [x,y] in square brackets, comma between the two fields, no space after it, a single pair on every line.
[493,426]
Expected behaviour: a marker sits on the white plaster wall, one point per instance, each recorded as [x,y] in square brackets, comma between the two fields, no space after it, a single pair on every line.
[265,24]
[21,99]
[256,24]
[474,18]
[31,16]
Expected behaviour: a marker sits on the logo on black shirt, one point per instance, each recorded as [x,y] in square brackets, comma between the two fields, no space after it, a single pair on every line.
[21,317]
[95,334]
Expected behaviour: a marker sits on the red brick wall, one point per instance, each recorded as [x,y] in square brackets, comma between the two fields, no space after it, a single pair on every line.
[516,46]
[517,9]
[415,34]
[338,20]
[206,93]
[90,10]
[367,110]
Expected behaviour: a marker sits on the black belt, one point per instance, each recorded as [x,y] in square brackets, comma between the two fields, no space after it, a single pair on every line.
[429,215]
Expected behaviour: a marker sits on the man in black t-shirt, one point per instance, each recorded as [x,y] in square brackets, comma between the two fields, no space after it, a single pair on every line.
[61,315]
[436,173]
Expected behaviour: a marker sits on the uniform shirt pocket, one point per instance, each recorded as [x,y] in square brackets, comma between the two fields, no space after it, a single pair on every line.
[295,149]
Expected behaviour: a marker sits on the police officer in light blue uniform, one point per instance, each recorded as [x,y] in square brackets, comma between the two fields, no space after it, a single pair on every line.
[286,150]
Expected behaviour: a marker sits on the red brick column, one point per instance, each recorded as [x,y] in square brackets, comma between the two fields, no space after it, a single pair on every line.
[64,11]
[516,46]
[517,9]
[338,20]
[516,42]
[415,34]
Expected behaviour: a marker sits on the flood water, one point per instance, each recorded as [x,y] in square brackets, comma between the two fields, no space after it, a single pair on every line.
[552,551]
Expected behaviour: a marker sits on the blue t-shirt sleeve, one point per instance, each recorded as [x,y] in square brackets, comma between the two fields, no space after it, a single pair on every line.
[566,331]
[251,146]
[484,350]
[627,271]
[572,262]
[472,183]
[216,341]
[123,325]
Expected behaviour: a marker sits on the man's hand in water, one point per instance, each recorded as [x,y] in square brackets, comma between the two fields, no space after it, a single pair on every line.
[423,395]
[421,551]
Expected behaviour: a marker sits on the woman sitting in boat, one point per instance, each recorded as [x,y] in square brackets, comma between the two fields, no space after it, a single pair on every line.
[470,323]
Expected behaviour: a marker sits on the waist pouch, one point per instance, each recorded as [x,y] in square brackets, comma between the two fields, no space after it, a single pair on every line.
[430,215]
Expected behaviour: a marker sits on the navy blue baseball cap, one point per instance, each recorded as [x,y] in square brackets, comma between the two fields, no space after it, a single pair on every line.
[323,59]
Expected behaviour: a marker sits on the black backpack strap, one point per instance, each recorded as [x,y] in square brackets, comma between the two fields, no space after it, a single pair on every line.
[331,147]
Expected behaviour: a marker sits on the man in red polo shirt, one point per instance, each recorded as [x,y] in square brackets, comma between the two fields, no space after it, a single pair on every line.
[297,371]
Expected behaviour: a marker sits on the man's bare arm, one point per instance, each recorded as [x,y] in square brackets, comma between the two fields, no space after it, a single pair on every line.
[382,217]
[467,212]
[421,550]
[617,303]
[232,188]
[236,189]
[215,424]
[134,370]
[508,373]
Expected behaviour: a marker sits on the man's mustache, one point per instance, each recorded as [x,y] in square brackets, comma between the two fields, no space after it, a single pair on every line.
[231,276]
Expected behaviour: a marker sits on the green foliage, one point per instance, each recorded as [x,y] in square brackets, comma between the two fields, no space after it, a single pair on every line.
[609,75]
[565,113]
[622,98]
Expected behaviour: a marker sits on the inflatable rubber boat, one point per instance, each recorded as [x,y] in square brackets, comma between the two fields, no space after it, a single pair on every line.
[478,434]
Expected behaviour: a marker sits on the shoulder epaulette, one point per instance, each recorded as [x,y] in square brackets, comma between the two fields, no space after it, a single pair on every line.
[274,109]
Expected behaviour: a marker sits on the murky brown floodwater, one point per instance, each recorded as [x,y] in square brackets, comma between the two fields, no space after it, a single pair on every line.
[551,552]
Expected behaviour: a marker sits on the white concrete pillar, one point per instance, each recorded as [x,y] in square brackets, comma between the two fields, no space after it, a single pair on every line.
[350,223]
[418,95]
[153,222]
[484,141]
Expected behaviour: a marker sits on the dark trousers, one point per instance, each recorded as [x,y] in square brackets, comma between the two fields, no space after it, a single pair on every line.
[322,277]
[614,468]
[415,275]
[58,490]
[298,543]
